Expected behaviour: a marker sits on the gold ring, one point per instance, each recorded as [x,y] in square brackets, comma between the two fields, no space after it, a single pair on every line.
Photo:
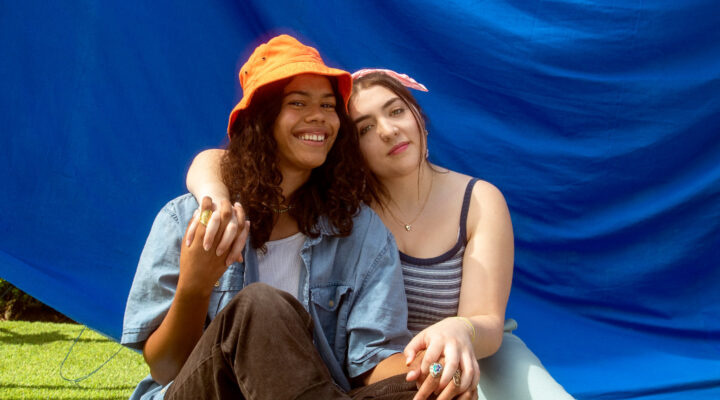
[205,216]
[456,377]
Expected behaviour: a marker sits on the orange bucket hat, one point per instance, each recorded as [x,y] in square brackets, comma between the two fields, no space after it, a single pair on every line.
[284,57]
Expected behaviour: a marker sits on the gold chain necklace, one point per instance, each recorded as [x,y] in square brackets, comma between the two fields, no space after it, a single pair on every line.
[282,210]
[408,226]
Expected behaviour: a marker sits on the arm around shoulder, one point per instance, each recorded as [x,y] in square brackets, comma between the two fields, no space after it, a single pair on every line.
[204,178]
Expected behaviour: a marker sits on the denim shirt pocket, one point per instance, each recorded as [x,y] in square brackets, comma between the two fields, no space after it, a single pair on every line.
[331,304]
[229,284]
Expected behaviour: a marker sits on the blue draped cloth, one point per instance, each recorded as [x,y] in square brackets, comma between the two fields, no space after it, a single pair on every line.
[598,120]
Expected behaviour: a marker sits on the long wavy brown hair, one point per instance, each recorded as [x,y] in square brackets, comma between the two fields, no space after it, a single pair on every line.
[250,171]
[378,192]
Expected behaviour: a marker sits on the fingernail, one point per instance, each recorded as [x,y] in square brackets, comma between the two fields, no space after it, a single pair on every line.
[237,204]
[187,242]
[407,361]
[206,247]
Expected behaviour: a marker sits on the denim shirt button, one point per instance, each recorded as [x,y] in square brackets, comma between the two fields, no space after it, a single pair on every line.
[331,303]
[217,284]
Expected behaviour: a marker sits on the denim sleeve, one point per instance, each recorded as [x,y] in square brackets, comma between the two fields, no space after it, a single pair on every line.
[155,280]
[377,325]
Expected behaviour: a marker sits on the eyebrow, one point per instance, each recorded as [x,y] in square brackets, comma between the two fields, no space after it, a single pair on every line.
[384,106]
[306,94]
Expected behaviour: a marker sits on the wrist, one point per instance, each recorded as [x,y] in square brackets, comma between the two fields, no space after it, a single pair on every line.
[469,326]
[216,192]
[193,291]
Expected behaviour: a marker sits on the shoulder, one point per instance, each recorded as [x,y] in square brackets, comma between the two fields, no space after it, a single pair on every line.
[369,231]
[180,209]
[488,208]
[484,192]
[366,220]
[487,204]
[369,238]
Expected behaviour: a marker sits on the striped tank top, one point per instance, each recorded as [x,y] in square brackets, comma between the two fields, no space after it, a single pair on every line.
[432,285]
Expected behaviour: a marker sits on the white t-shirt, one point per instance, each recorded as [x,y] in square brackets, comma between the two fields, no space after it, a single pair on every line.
[280,266]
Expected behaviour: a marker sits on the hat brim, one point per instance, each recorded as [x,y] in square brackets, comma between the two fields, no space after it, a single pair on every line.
[344,81]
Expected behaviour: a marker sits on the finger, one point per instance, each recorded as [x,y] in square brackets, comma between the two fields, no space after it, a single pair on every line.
[469,395]
[211,230]
[239,245]
[448,392]
[226,214]
[431,355]
[216,226]
[199,230]
[228,236]
[190,231]
[426,389]
[476,377]
[211,227]
[468,367]
[452,362]
[241,215]
[416,344]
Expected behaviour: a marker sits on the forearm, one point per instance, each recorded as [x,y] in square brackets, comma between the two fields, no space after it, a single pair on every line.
[488,334]
[204,178]
[167,349]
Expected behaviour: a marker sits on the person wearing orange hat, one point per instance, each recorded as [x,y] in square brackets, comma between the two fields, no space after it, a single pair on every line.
[314,300]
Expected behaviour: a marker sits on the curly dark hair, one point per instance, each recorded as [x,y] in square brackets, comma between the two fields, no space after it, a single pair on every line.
[250,171]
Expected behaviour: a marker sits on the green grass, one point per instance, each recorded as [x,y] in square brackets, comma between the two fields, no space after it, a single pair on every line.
[31,354]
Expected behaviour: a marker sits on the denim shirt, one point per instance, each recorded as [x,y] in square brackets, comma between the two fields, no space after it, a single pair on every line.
[351,286]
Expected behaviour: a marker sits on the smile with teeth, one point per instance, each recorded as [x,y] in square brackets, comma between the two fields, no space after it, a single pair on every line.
[313,137]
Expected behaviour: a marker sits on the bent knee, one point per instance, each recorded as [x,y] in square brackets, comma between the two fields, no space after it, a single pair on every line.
[264,300]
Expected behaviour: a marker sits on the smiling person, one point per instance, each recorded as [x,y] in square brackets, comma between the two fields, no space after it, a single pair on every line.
[311,299]
[456,241]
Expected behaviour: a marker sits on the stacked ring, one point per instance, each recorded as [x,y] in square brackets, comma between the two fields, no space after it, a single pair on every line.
[205,216]
[436,369]
[456,377]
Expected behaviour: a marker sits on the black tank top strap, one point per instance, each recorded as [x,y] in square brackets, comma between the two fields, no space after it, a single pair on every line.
[465,208]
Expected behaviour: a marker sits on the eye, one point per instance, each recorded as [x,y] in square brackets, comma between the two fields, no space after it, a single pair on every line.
[365,129]
[296,103]
[397,111]
[329,106]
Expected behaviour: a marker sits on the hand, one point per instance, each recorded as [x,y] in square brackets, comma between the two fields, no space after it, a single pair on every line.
[235,233]
[200,268]
[448,342]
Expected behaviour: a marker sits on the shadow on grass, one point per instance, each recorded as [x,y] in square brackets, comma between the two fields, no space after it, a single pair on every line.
[69,391]
[100,397]
[10,337]
[68,386]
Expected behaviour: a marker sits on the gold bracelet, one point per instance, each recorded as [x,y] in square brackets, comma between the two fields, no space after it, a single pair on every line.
[470,324]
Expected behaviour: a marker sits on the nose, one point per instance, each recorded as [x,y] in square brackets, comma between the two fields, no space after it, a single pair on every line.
[386,130]
[315,113]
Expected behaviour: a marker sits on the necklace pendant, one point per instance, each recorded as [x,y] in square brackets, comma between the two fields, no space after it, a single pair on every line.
[408,227]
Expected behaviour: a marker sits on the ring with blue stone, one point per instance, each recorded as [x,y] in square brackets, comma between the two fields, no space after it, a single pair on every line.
[436,369]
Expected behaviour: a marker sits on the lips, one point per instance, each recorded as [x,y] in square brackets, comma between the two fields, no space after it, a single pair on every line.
[398,148]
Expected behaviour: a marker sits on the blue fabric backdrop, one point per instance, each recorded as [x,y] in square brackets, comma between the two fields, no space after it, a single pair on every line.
[599,120]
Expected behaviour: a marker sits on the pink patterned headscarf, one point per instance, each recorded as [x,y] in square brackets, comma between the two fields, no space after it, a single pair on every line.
[402,78]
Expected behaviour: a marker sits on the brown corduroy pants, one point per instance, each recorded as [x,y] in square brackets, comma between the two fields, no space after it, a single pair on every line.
[260,347]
